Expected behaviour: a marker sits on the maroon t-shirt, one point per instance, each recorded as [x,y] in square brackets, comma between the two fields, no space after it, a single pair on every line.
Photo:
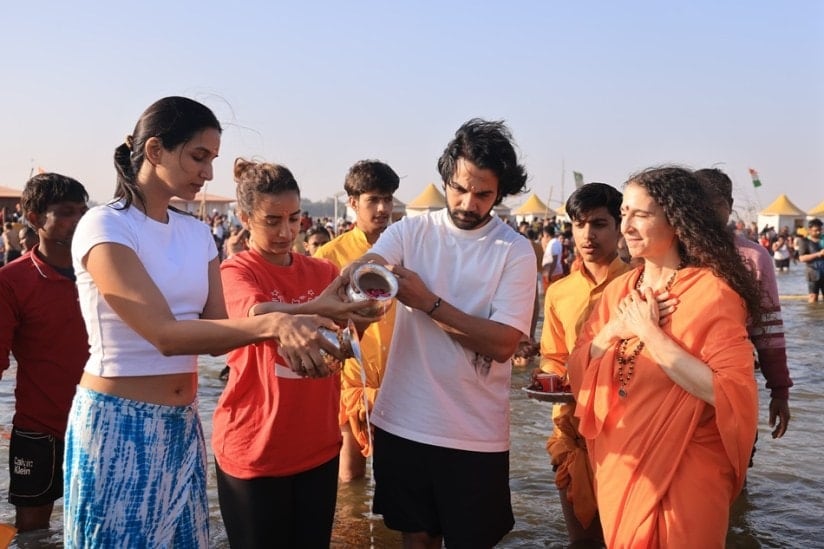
[41,325]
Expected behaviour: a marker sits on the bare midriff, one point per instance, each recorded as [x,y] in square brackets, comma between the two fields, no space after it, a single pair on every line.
[166,390]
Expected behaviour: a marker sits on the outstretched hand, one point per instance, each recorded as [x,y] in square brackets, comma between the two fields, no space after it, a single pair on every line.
[300,342]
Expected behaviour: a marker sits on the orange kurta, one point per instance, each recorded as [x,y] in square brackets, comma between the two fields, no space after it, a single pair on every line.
[341,251]
[668,465]
[567,305]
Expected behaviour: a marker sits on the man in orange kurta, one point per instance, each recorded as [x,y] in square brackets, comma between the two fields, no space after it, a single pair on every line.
[370,186]
[595,212]
[374,343]
[668,465]
[567,305]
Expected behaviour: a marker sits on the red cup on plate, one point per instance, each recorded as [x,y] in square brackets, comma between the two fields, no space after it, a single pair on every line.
[550,383]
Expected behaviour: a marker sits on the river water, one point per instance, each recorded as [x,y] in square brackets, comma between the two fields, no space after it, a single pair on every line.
[782,506]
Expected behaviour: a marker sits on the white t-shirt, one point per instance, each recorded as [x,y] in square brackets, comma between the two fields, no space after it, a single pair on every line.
[436,391]
[555,248]
[782,252]
[176,256]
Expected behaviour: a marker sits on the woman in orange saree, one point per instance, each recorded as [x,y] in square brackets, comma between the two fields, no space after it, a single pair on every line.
[667,400]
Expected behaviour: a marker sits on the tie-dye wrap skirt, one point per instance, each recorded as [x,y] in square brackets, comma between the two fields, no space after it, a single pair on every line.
[135,474]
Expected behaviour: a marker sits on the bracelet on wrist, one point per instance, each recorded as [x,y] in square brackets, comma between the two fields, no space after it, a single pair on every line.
[435,306]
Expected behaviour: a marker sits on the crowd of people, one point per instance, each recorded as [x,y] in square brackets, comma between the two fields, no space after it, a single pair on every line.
[652,305]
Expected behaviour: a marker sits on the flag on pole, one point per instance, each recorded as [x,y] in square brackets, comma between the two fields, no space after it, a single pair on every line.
[756,182]
[579,179]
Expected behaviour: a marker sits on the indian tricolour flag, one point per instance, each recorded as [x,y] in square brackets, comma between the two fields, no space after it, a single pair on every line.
[756,182]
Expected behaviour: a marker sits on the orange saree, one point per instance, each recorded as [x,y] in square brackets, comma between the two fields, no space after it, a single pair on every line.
[668,465]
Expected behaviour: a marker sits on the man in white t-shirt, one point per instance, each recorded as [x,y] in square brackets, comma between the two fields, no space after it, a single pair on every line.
[466,290]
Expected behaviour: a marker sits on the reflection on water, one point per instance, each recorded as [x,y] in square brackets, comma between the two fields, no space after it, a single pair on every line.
[781,506]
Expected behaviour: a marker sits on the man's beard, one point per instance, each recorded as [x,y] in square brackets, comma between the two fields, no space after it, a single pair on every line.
[468,220]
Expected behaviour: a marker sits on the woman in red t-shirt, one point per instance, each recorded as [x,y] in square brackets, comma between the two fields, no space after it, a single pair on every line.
[276,437]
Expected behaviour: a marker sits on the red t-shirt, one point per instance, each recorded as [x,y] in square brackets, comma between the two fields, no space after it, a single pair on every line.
[266,425]
[41,324]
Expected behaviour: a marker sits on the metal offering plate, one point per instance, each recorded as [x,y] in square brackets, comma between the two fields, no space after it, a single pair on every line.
[543,396]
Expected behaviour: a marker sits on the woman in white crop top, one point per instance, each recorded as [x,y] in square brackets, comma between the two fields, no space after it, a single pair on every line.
[151,297]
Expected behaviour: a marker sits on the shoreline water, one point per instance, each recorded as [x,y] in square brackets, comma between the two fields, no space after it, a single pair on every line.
[781,506]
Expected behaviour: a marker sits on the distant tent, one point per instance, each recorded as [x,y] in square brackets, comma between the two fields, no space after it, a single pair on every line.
[9,198]
[818,211]
[6,192]
[503,211]
[781,213]
[561,211]
[429,200]
[210,202]
[533,207]
[782,206]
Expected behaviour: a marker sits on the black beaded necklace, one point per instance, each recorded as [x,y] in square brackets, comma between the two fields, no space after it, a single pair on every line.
[629,361]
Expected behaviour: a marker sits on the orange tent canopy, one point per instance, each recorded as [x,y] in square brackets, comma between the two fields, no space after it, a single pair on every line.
[782,206]
[533,206]
[818,210]
[430,198]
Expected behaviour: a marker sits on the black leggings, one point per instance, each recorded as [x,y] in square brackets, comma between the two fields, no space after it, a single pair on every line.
[293,511]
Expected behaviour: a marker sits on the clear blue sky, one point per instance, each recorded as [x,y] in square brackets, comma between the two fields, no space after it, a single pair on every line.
[603,88]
